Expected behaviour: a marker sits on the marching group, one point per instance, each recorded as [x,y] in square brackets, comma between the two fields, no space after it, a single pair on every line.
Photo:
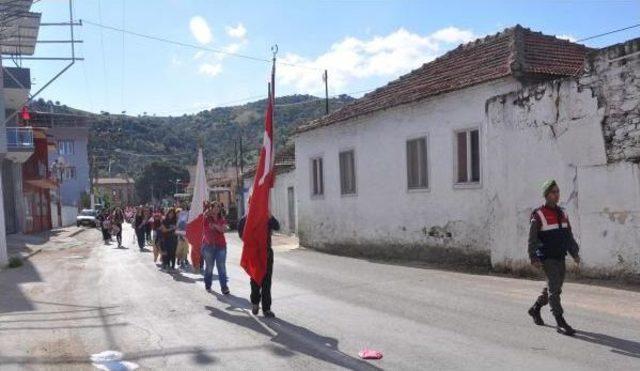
[165,231]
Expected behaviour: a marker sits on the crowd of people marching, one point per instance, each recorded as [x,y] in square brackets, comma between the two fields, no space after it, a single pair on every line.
[164,231]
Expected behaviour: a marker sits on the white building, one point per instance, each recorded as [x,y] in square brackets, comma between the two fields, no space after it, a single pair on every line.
[283,194]
[418,169]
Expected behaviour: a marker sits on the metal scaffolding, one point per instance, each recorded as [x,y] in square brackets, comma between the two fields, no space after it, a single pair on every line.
[19,28]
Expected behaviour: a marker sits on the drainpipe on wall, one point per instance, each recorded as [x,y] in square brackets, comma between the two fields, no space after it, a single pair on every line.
[4,257]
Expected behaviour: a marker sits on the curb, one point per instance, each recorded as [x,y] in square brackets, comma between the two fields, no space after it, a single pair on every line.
[75,233]
[32,254]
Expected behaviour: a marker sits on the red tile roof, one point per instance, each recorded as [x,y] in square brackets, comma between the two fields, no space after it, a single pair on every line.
[516,51]
[284,161]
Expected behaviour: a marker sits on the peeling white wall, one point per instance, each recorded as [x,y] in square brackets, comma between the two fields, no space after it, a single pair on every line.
[555,130]
[279,200]
[584,133]
[384,214]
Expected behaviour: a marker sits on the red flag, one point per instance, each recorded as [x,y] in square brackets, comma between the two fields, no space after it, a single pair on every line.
[195,229]
[256,232]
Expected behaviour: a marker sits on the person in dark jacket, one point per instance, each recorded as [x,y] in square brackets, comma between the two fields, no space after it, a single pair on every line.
[550,239]
[117,219]
[262,292]
[169,241]
[140,225]
[105,225]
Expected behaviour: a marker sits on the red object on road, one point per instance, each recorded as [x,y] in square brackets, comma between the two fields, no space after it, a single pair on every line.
[256,233]
[370,354]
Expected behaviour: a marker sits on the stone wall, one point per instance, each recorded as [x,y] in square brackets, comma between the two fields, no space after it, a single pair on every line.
[614,78]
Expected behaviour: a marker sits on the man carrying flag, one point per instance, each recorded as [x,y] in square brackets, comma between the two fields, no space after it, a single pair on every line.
[255,228]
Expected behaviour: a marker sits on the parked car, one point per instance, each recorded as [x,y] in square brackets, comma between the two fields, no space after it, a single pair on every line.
[87,217]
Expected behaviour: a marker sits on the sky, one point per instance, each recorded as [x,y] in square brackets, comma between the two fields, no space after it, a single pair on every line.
[362,43]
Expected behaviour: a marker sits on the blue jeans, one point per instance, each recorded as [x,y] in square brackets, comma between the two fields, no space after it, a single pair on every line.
[213,254]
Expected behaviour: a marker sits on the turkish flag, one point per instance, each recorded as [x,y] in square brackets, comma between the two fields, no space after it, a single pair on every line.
[256,230]
[195,223]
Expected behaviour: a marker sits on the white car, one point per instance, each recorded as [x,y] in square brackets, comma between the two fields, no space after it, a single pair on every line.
[87,217]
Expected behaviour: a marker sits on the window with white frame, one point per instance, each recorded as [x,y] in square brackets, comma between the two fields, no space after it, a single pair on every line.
[417,176]
[317,177]
[347,173]
[467,162]
[65,147]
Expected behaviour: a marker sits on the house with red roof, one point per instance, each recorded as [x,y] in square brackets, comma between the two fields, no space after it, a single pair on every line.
[415,168]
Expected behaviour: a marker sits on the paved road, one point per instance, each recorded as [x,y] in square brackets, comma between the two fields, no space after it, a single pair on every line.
[67,305]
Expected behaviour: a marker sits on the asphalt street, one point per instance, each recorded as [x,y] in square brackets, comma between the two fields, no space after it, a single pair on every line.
[65,306]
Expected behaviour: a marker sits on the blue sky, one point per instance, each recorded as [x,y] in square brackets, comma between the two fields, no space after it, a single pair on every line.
[363,44]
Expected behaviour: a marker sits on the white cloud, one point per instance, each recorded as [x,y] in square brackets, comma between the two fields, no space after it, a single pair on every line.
[567,37]
[200,30]
[211,63]
[453,35]
[238,32]
[381,56]
[210,69]
[232,48]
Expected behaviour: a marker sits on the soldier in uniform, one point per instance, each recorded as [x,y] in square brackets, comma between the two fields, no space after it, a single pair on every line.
[550,239]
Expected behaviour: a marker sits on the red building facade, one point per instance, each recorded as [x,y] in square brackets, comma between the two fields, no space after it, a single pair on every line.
[37,184]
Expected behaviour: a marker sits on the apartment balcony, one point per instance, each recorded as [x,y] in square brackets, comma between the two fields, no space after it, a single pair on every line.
[20,144]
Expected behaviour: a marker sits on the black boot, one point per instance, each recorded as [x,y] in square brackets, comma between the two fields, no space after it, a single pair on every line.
[534,312]
[563,327]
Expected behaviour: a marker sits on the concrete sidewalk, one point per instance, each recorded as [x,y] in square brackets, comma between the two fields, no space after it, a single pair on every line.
[25,245]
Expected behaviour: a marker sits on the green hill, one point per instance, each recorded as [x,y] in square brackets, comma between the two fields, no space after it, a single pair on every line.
[116,138]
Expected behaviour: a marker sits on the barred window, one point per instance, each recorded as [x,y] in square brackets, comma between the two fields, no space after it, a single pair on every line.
[317,177]
[347,173]
[467,163]
[417,176]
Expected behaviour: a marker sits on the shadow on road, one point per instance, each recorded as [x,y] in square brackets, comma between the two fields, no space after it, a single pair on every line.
[290,337]
[619,346]
[179,277]
[13,299]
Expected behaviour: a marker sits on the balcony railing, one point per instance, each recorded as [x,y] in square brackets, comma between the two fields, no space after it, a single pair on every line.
[19,138]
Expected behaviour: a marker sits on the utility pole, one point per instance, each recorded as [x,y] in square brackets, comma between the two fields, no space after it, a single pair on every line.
[92,170]
[325,77]
[241,184]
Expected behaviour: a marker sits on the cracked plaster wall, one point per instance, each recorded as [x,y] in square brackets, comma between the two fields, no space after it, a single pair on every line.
[584,133]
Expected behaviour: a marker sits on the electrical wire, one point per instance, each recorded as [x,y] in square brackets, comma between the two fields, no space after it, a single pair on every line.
[609,33]
[194,46]
[104,62]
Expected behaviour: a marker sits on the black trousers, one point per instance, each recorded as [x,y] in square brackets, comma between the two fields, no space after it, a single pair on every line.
[263,292]
[105,234]
[119,234]
[169,246]
[140,235]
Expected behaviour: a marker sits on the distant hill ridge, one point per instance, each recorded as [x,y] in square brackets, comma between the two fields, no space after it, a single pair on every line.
[218,128]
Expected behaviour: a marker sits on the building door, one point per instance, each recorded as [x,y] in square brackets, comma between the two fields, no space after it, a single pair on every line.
[291,200]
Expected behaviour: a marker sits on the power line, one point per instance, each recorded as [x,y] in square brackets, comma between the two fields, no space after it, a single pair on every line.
[123,152]
[104,62]
[609,33]
[194,46]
